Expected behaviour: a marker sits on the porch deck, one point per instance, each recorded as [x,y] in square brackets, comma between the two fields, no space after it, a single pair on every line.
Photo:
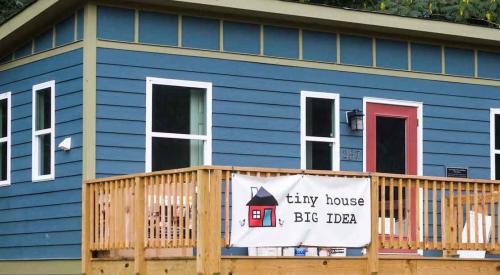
[151,223]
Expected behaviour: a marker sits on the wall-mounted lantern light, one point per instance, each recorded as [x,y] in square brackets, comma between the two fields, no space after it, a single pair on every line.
[355,120]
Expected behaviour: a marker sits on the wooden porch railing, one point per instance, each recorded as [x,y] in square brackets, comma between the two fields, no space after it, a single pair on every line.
[186,208]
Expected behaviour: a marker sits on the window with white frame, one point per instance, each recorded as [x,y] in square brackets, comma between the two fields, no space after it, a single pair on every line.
[43,131]
[319,131]
[495,143]
[256,214]
[5,119]
[178,123]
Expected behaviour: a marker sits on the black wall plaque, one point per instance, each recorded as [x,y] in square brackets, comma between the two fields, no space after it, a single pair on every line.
[457,172]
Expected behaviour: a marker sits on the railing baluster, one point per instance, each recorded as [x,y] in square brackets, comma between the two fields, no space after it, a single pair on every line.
[101,216]
[460,214]
[426,213]
[417,214]
[226,207]
[169,210]
[476,217]
[195,207]
[113,212]
[391,213]
[452,228]
[467,213]
[400,213]
[181,209]
[382,212]
[174,210]
[157,211]
[162,211]
[91,188]
[484,212]
[408,213]
[186,209]
[444,237]
[492,214]
[434,215]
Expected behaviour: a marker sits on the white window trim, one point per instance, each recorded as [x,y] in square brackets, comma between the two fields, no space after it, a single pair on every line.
[34,148]
[304,138]
[207,148]
[493,152]
[7,139]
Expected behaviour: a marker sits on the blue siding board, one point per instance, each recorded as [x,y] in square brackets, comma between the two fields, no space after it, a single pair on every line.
[356,50]
[42,252]
[488,65]
[49,225]
[115,23]
[459,61]
[65,31]
[319,46]
[42,220]
[200,33]
[158,28]
[44,41]
[24,50]
[281,42]
[426,58]
[392,54]
[241,37]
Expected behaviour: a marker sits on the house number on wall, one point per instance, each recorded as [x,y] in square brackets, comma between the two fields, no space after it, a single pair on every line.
[351,154]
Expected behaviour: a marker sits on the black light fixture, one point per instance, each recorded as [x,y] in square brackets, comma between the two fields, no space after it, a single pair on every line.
[355,120]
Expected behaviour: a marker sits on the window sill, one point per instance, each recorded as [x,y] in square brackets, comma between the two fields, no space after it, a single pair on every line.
[43,178]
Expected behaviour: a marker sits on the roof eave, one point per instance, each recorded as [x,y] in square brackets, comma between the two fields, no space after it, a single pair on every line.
[29,20]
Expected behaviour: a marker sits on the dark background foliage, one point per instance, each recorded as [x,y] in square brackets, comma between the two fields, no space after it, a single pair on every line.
[11,7]
[478,12]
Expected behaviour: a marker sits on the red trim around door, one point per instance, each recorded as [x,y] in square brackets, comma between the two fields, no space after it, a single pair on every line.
[410,114]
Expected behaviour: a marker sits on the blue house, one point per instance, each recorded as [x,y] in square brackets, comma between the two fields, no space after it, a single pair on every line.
[97,89]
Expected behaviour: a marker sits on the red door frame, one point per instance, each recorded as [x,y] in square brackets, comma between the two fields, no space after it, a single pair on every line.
[410,114]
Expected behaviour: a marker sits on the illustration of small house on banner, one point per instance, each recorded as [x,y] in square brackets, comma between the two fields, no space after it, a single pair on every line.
[262,209]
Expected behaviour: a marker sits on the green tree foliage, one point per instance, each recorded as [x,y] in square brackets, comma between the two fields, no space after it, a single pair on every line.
[482,12]
[11,7]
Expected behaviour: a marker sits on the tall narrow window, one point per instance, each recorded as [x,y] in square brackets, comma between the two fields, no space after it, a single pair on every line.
[178,124]
[5,139]
[319,131]
[495,143]
[43,131]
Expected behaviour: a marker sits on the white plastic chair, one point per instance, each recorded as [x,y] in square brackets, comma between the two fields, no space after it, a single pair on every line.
[475,254]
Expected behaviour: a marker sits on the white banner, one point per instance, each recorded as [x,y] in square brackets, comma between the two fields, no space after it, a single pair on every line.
[300,210]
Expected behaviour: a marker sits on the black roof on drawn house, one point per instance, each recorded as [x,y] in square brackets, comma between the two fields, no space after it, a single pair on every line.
[263,197]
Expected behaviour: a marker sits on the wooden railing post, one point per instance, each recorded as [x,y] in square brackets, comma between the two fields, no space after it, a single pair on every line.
[86,253]
[139,225]
[208,256]
[372,250]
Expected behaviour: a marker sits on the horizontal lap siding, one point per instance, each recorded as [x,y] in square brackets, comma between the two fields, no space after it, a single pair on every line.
[42,220]
[256,111]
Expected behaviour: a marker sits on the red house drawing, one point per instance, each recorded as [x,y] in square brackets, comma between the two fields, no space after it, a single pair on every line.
[262,209]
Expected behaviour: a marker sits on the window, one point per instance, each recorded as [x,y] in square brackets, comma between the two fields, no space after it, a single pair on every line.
[5,138]
[319,131]
[178,124]
[495,143]
[256,214]
[43,131]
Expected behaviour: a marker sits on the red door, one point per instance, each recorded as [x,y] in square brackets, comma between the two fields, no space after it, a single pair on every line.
[391,140]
